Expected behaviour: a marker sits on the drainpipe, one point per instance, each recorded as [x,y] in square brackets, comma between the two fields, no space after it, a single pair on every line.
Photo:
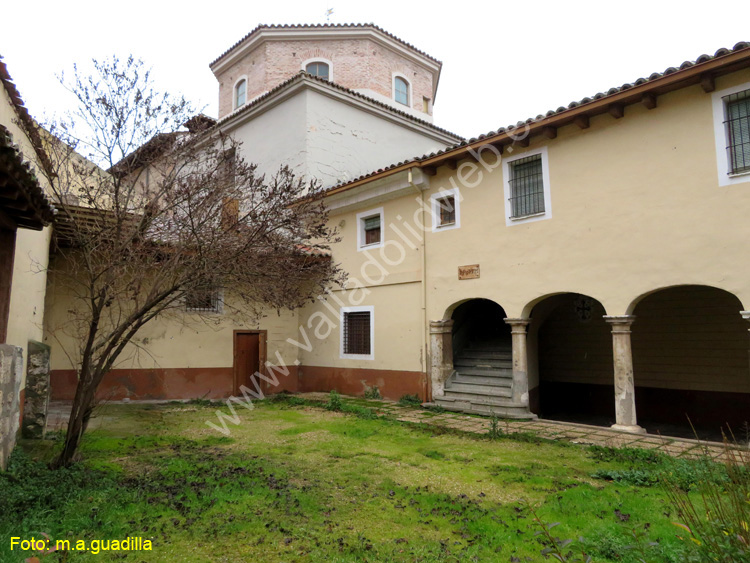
[425,337]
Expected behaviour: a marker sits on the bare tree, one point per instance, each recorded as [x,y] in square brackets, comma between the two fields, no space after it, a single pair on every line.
[151,216]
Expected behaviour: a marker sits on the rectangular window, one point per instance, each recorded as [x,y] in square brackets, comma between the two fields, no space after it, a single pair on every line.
[203,300]
[738,131]
[447,210]
[357,333]
[372,229]
[526,186]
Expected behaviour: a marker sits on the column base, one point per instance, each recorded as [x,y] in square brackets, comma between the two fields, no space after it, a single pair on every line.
[630,429]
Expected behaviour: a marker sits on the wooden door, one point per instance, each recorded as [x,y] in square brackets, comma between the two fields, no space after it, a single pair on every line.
[246,358]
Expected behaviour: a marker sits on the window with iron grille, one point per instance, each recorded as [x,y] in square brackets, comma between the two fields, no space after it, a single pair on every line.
[447,210]
[526,186]
[203,300]
[372,229]
[357,333]
[738,131]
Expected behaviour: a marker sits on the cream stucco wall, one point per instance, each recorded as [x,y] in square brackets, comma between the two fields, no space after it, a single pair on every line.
[26,316]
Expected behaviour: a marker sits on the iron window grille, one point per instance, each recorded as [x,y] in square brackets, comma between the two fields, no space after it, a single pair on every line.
[357,333]
[372,229]
[447,210]
[526,186]
[320,70]
[738,131]
[203,301]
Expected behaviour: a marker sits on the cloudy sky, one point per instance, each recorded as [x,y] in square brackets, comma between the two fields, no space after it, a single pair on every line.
[502,61]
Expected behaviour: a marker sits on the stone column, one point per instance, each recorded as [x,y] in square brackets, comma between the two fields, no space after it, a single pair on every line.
[11,372]
[520,361]
[37,391]
[624,383]
[441,355]
[746,316]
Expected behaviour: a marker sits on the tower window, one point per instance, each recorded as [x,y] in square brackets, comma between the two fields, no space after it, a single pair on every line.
[319,69]
[240,93]
[401,90]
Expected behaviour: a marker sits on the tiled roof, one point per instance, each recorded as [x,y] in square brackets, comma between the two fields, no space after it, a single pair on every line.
[263,27]
[19,182]
[23,114]
[304,75]
[742,45]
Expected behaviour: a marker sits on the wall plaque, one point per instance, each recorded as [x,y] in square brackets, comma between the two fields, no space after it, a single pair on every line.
[468,272]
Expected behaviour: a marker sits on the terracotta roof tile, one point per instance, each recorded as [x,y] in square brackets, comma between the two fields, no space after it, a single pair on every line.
[323,26]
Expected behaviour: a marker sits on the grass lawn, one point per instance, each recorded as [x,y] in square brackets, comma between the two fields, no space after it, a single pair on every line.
[300,483]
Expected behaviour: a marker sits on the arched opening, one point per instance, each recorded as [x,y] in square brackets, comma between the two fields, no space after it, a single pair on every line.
[319,69]
[401,90]
[690,362]
[480,378]
[240,93]
[570,360]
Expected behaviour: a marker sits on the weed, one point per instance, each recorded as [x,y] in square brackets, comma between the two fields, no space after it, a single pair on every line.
[495,432]
[635,477]
[410,401]
[373,392]
[626,455]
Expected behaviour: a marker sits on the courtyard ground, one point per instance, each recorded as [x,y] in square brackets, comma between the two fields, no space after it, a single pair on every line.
[296,482]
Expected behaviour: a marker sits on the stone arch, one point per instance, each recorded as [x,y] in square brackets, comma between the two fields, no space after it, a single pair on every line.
[690,360]
[634,303]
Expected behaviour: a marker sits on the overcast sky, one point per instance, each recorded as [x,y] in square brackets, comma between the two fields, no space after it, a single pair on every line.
[502,61]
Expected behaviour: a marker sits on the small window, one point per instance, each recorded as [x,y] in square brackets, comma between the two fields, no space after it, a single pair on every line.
[319,69]
[203,300]
[401,90]
[240,93]
[370,229]
[426,105]
[446,211]
[526,186]
[357,333]
[738,131]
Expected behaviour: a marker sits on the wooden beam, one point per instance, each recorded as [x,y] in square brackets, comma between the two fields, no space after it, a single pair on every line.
[582,121]
[707,82]
[452,163]
[429,170]
[550,132]
[616,110]
[524,142]
[649,100]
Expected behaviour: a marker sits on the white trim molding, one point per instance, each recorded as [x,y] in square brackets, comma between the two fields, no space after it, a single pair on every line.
[234,92]
[358,309]
[547,214]
[435,209]
[409,86]
[320,60]
[361,229]
[721,136]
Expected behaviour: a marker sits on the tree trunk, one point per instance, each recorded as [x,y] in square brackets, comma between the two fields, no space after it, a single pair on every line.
[79,417]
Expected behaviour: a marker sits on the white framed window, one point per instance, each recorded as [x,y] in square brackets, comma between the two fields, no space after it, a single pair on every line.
[731,110]
[322,68]
[526,186]
[370,229]
[240,92]
[401,89]
[358,333]
[446,210]
[205,300]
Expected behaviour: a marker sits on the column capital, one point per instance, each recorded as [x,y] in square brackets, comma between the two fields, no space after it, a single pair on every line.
[620,323]
[518,325]
[441,327]
[745,315]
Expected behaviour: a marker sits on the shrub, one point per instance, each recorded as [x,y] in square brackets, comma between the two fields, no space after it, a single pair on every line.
[334,401]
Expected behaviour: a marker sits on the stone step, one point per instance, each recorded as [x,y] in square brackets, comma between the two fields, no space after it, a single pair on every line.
[486,372]
[486,354]
[500,381]
[506,409]
[482,362]
[478,389]
[489,395]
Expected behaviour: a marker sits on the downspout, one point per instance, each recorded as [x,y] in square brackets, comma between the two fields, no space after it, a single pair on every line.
[425,336]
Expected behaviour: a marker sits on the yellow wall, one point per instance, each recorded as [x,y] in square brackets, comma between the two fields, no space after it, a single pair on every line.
[26,317]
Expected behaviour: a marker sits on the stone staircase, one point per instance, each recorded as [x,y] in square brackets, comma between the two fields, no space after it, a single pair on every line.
[482,383]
